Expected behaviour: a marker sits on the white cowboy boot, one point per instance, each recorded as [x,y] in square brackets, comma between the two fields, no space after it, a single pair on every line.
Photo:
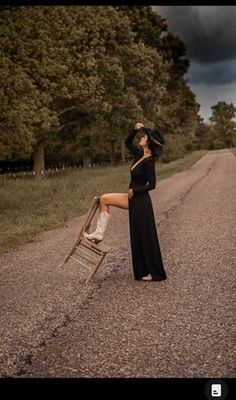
[102,223]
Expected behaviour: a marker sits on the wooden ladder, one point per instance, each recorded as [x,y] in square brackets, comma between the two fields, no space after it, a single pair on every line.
[89,253]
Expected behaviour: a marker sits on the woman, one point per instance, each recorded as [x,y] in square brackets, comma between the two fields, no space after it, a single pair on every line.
[146,255]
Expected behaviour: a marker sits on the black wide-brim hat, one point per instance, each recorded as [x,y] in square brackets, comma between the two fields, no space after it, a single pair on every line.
[156,141]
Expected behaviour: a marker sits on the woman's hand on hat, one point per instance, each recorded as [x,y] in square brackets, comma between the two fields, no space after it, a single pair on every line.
[138,126]
[130,193]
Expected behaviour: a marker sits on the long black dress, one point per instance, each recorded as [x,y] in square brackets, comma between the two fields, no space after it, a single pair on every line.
[146,254]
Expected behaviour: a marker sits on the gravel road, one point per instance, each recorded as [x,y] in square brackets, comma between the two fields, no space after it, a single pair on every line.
[52,325]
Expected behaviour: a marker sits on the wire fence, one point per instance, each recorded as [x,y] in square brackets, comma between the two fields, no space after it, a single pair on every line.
[28,173]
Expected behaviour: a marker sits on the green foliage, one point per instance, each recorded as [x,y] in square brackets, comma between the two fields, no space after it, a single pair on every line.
[223,129]
[203,135]
[175,147]
[17,109]
[77,78]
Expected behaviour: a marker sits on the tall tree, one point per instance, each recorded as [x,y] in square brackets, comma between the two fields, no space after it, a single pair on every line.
[75,78]
[173,107]
[202,134]
[223,125]
[18,99]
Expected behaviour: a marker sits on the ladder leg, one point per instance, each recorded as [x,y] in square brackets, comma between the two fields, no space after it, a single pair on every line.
[91,213]
[94,270]
[92,209]
[73,249]
[89,216]
[69,254]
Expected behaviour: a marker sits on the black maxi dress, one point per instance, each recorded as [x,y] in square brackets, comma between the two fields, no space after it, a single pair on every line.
[145,249]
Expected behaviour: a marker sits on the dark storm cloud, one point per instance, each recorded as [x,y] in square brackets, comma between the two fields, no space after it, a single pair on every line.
[210,36]
[221,72]
[208,31]
[209,95]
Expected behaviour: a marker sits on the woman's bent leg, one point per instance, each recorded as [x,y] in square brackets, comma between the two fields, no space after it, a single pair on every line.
[108,199]
[114,199]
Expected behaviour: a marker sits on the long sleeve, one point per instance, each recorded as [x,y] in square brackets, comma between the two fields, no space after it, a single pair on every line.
[128,142]
[146,130]
[149,168]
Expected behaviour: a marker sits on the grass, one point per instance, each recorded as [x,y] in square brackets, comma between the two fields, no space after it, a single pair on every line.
[29,206]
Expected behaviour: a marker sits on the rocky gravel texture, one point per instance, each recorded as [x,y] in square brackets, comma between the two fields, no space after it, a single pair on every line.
[52,325]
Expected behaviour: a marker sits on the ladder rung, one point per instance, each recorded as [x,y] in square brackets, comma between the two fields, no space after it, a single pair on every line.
[91,247]
[84,252]
[91,261]
[79,248]
[96,248]
[80,263]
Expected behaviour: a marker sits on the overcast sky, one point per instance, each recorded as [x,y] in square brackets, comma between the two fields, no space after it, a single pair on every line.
[210,35]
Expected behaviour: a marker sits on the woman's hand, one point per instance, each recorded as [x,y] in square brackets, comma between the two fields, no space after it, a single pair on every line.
[130,193]
[138,126]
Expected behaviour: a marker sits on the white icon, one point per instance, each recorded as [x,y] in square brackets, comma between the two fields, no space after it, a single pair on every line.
[216,390]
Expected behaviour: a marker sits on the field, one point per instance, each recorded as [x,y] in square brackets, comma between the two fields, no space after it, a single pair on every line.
[30,206]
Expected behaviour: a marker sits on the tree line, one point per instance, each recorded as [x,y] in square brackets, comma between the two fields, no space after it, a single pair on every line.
[75,79]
